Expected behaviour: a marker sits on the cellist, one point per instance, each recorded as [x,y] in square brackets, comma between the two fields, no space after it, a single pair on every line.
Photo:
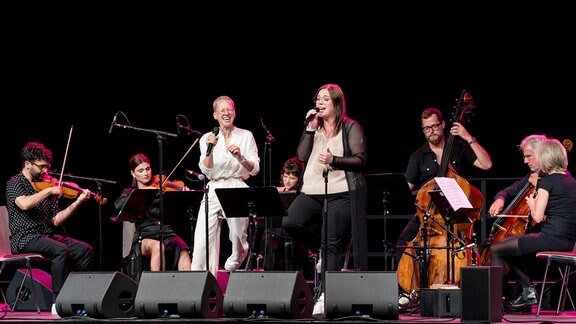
[528,148]
[552,204]
[514,194]
[424,163]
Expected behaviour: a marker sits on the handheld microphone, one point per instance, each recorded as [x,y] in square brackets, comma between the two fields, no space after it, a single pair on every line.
[113,124]
[311,116]
[215,131]
[196,175]
[178,126]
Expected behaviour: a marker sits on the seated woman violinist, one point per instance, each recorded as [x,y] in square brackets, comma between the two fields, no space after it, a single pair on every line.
[176,253]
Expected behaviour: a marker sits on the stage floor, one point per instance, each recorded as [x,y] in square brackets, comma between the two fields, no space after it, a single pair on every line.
[546,316]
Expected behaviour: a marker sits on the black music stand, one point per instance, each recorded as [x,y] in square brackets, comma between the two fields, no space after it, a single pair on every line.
[135,208]
[388,193]
[451,217]
[178,204]
[251,202]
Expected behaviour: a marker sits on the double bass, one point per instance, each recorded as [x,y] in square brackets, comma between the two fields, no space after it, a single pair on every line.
[432,243]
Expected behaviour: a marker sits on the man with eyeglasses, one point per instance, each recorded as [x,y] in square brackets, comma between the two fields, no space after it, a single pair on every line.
[424,163]
[34,215]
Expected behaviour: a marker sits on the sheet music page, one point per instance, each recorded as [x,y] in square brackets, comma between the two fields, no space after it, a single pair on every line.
[453,193]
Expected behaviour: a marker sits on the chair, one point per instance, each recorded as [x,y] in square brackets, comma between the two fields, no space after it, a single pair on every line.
[568,259]
[27,259]
[23,258]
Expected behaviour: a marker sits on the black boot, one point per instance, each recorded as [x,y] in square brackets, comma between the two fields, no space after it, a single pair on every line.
[529,297]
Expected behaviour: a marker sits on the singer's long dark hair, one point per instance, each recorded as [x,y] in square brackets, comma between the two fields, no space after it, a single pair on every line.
[337,96]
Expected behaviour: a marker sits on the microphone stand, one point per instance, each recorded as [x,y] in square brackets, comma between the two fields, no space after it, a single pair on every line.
[324,249]
[267,154]
[267,172]
[206,212]
[160,135]
[99,186]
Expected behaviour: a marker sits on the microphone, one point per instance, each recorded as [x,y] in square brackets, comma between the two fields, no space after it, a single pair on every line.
[113,124]
[215,131]
[311,116]
[197,175]
[269,136]
[178,126]
[462,248]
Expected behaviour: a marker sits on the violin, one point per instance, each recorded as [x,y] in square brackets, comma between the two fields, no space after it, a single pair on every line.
[70,190]
[168,185]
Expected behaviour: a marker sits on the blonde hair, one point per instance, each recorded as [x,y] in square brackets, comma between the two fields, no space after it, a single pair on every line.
[552,155]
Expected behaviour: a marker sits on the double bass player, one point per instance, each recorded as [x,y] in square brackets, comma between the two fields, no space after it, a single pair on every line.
[425,162]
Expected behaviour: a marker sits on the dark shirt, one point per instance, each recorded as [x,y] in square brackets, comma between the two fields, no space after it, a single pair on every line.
[149,223]
[514,189]
[423,165]
[26,225]
[560,210]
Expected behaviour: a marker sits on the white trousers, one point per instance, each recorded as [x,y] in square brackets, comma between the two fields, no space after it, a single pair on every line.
[238,236]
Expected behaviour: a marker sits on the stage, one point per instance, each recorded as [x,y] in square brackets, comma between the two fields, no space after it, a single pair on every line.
[546,316]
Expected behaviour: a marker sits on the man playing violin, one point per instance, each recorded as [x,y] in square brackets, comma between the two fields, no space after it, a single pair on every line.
[33,216]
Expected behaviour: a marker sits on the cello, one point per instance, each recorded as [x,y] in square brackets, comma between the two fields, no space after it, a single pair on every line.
[515,219]
[504,227]
[432,243]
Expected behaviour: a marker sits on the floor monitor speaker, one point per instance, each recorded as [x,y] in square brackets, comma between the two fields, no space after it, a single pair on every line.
[42,286]
[276,294]
[97,294]
[184,294]
[355,293]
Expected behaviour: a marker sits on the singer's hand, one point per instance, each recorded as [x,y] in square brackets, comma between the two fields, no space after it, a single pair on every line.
[313,123]
[235,151]
[326,158]
[212,139]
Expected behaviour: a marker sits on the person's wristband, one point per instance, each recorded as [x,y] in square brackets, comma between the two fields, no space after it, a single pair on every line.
[310,131]
[472,141]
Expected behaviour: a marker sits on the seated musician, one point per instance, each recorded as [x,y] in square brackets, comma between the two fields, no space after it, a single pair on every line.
[273,239]
[424,165]
[514,193]
[552,205]
[176,252]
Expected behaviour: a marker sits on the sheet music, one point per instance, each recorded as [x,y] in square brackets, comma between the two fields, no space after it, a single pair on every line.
[453,193]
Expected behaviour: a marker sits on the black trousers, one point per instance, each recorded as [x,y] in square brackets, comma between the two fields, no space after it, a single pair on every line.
[65,253]
[304,224]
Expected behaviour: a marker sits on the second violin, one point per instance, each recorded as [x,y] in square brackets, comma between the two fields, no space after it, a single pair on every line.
[168,185]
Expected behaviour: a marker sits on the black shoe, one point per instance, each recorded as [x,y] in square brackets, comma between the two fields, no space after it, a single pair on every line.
[528,297]
[523,309]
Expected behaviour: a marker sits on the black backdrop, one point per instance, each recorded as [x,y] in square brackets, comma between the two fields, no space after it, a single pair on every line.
[59,77]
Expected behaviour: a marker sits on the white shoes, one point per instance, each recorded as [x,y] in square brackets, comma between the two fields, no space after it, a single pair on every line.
[318,310]
[54,312]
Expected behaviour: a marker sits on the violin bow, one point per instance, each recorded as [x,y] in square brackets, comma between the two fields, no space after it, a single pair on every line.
[65,156]
[177,164]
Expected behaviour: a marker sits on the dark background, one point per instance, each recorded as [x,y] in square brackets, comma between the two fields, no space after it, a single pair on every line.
[80,73]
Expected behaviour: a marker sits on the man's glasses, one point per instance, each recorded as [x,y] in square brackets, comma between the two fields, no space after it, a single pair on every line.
[430,128]
[42,166]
